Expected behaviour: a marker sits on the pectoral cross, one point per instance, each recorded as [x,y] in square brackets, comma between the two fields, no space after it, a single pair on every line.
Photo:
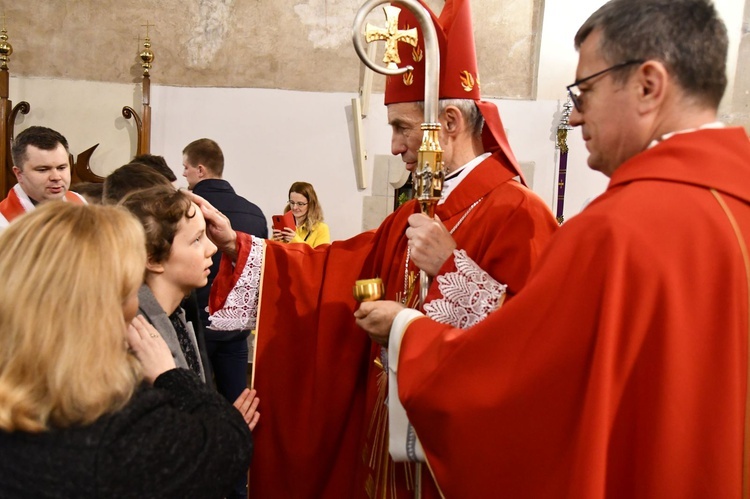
[391,35]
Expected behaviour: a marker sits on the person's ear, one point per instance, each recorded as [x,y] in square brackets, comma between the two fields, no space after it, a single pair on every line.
[17,172]
[154,267]
[453,120]
[201,171]
[653,80]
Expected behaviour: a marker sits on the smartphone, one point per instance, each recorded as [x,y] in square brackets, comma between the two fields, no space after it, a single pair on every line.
[285,220]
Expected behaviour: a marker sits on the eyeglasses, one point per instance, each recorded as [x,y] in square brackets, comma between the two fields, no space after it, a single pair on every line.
[577,95]
[292,203]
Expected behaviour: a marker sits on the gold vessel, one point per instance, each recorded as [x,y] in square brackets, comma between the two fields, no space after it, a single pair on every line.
[369,289]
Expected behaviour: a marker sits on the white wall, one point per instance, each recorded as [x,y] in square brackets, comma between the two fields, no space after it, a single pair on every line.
[558,57]
[272,138]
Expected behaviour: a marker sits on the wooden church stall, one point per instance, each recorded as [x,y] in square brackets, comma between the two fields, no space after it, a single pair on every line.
[80,167]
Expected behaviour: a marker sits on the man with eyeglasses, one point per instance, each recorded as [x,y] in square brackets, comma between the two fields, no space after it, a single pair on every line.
[621,369]
[203,163]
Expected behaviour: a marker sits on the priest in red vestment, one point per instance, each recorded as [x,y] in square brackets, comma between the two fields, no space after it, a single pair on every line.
[42,168]
[320,377]
[621,368]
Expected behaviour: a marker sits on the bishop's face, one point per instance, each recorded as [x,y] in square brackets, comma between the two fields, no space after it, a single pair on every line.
[406,120]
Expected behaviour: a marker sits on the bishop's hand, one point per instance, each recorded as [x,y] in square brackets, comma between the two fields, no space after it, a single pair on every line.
[376,317]
[218,228]
[430,243]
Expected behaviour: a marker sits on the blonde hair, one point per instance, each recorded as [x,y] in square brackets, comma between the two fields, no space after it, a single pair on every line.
[66,271]
[314,210]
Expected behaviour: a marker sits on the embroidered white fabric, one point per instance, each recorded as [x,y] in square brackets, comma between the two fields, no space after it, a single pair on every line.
[240,309]
[468,295]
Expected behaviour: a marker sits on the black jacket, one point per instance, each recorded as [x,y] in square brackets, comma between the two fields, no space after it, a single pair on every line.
[175,440]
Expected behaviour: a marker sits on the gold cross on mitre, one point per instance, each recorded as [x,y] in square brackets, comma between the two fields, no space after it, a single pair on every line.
[392,35]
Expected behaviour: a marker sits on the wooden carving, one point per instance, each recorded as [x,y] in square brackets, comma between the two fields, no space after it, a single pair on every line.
[80,166]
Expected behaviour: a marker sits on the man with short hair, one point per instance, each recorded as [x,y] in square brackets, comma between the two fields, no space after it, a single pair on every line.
[42,168]
[325,382]
[621,369]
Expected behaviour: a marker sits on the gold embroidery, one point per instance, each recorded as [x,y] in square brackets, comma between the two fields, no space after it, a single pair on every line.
[408,78]
[417,54]
[467,81]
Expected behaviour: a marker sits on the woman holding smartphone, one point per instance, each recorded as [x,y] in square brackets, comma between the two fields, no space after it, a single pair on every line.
[308,215]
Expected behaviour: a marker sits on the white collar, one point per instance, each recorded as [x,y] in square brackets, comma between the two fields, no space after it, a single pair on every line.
[457,176]
[715,124]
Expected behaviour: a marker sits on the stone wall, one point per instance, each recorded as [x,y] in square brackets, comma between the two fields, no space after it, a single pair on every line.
[283,44]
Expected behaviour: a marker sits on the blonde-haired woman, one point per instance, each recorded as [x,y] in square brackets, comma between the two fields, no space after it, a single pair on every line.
[91,406]
[308,215]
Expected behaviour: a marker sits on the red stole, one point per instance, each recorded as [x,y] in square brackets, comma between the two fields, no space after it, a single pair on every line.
[11,207]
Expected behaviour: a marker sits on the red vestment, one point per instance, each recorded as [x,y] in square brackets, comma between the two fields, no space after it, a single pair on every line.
[314,368]
[621,369]
[18,202]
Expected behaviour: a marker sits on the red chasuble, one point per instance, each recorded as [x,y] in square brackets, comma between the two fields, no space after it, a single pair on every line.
[314,368]
[621,368]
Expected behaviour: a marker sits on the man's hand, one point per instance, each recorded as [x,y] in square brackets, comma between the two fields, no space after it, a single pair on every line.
[430,243]
[247,404]
[376,317]
[218,228]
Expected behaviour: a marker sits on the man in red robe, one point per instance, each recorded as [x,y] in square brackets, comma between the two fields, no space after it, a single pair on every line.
[320,377]
[621,369]
[42,168]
